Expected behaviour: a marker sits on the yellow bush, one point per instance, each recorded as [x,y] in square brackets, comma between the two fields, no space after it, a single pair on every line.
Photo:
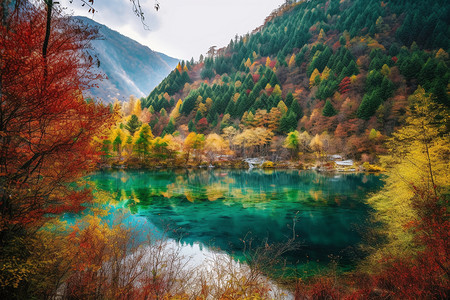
[267,165]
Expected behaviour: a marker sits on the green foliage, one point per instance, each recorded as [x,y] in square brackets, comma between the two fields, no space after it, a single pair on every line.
[288,122]
[170,128]
[327,88]
[319,60]
[133,124]
[189,103]
[288,100]
[142,143]
[329,110]
[207,73]
[369,104]
[296,109]
[191,126]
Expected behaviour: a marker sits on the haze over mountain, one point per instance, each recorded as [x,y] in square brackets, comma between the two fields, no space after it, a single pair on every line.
[131,68]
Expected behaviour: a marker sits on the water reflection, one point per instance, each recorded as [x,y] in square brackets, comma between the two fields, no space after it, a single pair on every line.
[219,208]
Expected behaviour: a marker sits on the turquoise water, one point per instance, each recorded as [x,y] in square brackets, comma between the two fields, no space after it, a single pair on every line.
[221,208]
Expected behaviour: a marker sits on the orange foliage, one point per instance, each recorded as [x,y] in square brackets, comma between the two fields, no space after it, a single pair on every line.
[45,123]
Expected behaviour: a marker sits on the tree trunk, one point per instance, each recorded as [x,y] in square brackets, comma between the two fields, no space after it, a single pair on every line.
[47,36]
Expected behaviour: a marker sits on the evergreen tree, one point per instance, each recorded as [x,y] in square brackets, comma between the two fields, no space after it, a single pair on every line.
[170,128]
[191,126]
[288,123]
[369,104]
[189,103]
[288,100]
[296,109]
[142,143]
[328,109]
[198,116]
[133,124]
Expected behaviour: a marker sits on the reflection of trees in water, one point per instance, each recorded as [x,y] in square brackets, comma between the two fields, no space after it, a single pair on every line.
[220,207]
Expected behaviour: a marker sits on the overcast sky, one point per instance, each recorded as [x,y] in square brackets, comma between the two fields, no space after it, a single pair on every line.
[181,28]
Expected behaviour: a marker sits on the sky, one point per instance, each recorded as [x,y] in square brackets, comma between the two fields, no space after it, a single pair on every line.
[181,28]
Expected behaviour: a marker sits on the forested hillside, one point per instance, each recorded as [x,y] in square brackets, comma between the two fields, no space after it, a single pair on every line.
[341,71]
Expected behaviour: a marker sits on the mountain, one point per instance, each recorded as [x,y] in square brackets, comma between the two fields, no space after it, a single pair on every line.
[339,70]
[131,68]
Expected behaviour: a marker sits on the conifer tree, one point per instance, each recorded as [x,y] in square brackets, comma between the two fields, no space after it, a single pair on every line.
[328,109]
[133,124]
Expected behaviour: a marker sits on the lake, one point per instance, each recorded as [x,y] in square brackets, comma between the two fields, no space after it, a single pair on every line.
[221,208]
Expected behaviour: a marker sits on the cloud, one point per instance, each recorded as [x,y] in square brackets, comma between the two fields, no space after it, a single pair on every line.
[181,28]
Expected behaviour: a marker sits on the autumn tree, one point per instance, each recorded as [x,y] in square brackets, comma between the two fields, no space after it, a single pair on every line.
[292,142]
[214,145]
[229,133]
[316,145]
[413,204]
[46,129]
[175,114]
[193,143]
[314,78]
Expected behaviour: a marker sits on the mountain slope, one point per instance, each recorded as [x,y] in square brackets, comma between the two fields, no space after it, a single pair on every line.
[341,70]
[131,68]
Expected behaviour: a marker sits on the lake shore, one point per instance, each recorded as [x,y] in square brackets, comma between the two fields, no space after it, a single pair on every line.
[329,166]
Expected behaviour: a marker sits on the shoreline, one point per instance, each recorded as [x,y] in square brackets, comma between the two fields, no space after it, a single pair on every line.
[327,167]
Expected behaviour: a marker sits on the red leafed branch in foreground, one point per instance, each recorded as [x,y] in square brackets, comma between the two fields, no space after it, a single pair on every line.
[45,124]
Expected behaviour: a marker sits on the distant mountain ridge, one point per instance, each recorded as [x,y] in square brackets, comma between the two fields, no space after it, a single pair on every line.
[131,68]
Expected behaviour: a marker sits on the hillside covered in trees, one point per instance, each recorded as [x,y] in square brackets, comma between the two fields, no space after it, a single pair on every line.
[339,72]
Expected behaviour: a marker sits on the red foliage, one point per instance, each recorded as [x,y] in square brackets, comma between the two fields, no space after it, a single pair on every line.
[202,125]
[394,59]
[340,131]
[256,77]
[46,126]
[336,45]
[344,86]
[272,64]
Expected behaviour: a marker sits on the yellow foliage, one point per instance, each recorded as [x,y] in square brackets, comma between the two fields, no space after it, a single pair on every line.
[276,90]
[282,107]
[267,165]
[248,63]
[385,70]
[175,114]
[215,145]
[373,168]
[312,79]
[418,163]
[441,54]
[316,143]
[208,103]
[325,73]
[236,97]
[202,109]
[292,61]
[322,35]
